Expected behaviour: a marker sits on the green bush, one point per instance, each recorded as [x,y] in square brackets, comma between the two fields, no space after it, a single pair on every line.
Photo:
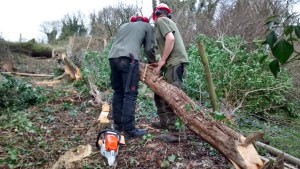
[95,67]
[18,95]
[237,77]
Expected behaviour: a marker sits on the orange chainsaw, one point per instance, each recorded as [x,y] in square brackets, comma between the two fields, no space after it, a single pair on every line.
[108,143]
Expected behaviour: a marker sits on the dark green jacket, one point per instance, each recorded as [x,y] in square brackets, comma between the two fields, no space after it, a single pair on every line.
[130,38]
[178,55]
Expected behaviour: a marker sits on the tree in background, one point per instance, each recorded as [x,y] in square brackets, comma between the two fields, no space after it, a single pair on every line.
[107,21]
[51,29]
[71,25]
[247,18]
[194,16]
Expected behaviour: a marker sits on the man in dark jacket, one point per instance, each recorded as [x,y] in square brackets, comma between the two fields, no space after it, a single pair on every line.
[124,58]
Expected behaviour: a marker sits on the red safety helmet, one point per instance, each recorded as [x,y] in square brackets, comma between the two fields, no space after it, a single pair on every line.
[139,18]
[158,7]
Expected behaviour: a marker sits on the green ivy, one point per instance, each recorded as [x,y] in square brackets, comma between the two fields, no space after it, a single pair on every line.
[18,95]
[235,78]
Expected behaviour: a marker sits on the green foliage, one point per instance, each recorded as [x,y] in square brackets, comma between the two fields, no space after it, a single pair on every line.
[148,137]
[283,36]
[19,123]
[218,116]
[96,68]
[39,48]
[18,95]
[167,162]
[179,124]
[72,25]
[237,78]
[17,120]
[171,158]
[282,51]
[11,159]
[146,108]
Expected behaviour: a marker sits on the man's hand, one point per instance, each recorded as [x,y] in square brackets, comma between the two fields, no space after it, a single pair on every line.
[158,66]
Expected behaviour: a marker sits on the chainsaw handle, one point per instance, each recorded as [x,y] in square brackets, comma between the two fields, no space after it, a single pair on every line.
[104,131]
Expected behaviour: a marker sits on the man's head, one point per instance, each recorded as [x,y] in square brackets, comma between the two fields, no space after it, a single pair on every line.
[161,9]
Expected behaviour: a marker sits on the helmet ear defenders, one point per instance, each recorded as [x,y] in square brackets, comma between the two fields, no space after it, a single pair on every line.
[161,8]
[158,12]
[139,18]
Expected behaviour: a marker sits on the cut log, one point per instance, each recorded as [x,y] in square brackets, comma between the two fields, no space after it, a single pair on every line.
[220,136]
[72,156]
[70,69]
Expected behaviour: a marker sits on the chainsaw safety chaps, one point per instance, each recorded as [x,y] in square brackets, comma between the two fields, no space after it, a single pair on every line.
[124,101]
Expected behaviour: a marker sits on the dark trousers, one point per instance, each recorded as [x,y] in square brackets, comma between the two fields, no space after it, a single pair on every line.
[167,117]
[124,100]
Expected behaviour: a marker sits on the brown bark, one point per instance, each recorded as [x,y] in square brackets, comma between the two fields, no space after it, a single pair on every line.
[70,68]
[220,136]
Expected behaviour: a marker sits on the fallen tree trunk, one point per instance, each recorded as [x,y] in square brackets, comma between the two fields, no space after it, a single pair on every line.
[71,70]
[220,136]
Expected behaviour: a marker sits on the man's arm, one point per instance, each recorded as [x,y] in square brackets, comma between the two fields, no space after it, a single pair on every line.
[149,45]
[169,44]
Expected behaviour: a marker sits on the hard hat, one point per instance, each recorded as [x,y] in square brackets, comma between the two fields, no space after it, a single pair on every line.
[161,6]
[139,18]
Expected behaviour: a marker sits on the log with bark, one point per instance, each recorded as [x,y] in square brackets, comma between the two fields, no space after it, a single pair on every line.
[227,141]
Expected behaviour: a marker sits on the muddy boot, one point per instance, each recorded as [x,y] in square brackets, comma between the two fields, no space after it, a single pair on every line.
[158,125]
[173,137]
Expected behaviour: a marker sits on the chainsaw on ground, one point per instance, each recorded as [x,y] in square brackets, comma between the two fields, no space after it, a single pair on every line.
[108,143]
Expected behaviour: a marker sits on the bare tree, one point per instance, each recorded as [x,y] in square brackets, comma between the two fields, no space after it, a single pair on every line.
[247,18]
[193,17]
[107,20]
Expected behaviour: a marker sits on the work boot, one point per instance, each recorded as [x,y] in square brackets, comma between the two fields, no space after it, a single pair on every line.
[134,133]
[158,125]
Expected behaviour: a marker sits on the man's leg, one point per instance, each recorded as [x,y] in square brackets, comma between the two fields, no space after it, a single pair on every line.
[161,112]
[173,76]
[118,94]
[129,103]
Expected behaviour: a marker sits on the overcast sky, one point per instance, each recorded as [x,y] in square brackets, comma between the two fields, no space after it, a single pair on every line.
[26,16]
